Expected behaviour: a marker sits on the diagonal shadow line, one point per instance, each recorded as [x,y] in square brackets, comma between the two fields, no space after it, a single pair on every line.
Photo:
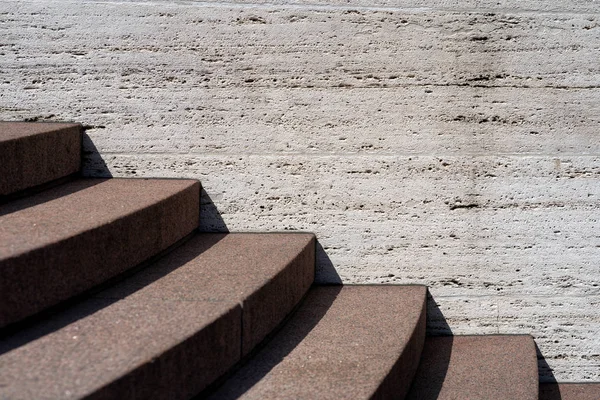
[210,217]
[549,390]
[272,351]
[92,160]
[435,357]
[98,298]
[325,269]
[61,187]
[66,187]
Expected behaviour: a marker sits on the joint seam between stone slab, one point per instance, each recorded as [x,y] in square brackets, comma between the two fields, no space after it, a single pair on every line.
[515,296]
[329,7]
[379,155]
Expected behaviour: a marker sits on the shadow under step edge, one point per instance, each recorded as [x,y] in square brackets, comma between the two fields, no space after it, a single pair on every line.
[63,241]
[569,391]
[477,367]
[167,331]
[358,342]
[33,154]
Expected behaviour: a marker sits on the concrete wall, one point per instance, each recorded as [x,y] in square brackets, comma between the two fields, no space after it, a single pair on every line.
[454,144]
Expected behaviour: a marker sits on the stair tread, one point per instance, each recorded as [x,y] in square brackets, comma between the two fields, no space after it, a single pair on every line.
[343,342]
[477,367]
[165,332]
[62,241]
[35,153]
[569,391]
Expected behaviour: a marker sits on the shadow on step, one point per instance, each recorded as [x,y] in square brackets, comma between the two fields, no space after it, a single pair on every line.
[550,390]
[275,348]
[436,322]
[34,198]
[438,361]
[325,272]
[94,164]
[110,292]
[210,217]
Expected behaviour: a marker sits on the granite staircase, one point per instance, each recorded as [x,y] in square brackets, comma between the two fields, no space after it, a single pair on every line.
[108,291]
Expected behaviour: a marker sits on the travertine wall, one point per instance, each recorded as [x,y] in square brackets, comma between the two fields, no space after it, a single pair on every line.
[454,144]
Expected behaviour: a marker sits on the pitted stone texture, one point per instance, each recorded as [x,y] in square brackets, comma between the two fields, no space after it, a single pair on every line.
[415,135]
[569,391]
[477,367]
[65,240]
[169,330]
[356,342]
[35,153]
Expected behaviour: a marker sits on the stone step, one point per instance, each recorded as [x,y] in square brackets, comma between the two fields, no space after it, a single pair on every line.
[65,240]
[36,153]
[344,342]
[167,331]
[477,367]
[569,391]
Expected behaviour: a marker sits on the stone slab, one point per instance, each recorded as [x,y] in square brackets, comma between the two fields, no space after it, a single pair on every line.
[122,348]
[32,154]
[477,367]
[166,332]
[569,391]
[65,240]
[268,274]
[356,342]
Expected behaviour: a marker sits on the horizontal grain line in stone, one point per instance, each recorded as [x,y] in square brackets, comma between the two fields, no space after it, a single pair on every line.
[330,7]
[517,296]
[374,155]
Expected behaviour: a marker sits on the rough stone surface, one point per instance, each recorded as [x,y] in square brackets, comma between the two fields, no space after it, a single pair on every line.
[477,367]
[65,240]
[33,153]
[569,391]
[166,332]
[267,273]
[449,143]
[358,342]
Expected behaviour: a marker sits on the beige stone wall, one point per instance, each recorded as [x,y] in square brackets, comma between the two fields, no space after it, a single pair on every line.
[455,144]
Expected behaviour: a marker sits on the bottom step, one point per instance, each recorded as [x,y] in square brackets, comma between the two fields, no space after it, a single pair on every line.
[350,342]
[569,391]
[477,367]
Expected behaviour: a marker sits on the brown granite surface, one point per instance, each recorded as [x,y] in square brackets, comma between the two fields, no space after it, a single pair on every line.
[164,333]
[35,153]
[65,240]
[477,367]
[350,342]
[570,391]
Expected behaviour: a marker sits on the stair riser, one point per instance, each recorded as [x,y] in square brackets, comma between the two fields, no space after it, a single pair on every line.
[398,381]
[184,370]
[266,308]
[39,279]
[35,159]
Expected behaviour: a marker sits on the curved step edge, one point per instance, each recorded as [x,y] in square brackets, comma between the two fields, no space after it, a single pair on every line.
[477,367]
[32,154]
[570,391]
[166,332]
[66,240]
[357,342]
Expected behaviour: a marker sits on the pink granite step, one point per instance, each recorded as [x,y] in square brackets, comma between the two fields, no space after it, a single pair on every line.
[569,391]
[65,240]
[344,342]
[477,367]
[35,153]
[169,330]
